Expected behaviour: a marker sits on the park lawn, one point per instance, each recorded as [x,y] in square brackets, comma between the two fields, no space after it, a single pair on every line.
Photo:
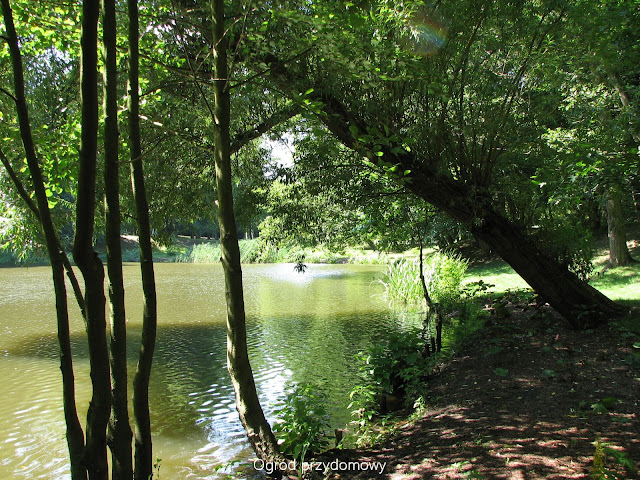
[619,284]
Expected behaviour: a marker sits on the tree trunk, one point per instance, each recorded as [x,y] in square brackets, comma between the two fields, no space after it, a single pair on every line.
[84,255]
[581,304]
[119,433]
[143,442]
[75,435]
[618,252]
[625,100]
[247,403]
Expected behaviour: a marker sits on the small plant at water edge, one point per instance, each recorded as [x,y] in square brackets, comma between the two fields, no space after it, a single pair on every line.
[602,452]
[303,422]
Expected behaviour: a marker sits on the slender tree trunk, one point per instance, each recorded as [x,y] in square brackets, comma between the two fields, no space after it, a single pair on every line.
[84,255]
[618,252]
[247,403]
[119,432]
[75,435]
[22,191]
[625,100]
[143,451]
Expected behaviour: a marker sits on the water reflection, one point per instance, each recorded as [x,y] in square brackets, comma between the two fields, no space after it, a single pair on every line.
[301,328]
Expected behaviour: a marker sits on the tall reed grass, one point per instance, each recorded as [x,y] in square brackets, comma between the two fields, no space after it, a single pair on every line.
[443,275]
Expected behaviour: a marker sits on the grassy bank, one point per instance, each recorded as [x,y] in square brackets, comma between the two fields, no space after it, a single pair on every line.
[519,394]
[256,251]
[620,284]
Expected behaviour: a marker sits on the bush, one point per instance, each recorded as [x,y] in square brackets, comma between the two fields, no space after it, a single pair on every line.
[398,364]
[303,422]
[132,255]
[571,244]
[249,250]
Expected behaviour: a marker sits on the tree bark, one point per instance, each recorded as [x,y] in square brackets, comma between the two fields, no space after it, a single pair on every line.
[618,252]
[581,304]
[75,434]
[85,256]
[247,403]
[143,441]
[119,433]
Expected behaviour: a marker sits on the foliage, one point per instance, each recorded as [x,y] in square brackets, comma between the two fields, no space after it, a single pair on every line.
[396,364]
[131,255]
[363,404]
[571,244]
[603,452]
[156,469]
[443,276]
[302,422]
[210,252]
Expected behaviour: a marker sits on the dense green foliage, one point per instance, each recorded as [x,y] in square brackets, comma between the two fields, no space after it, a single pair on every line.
[303,422]
[516,119]
[443,275]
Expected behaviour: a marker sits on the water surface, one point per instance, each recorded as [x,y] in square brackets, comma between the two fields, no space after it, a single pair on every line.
[301,328]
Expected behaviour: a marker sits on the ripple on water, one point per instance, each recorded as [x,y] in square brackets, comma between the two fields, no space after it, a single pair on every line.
[33,445]
[301,328]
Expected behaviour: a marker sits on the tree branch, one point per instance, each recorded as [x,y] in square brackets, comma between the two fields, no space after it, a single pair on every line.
[242,138]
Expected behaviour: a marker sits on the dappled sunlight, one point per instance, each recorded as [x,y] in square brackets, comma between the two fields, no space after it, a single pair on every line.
[527,399]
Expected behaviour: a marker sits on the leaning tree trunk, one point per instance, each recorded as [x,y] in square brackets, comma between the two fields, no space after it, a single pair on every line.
[75,435]
[119,433]
[581,304]
[143,450]
[618,252]
[85,256]
[247,403]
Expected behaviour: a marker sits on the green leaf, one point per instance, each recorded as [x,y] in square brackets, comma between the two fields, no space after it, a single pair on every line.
[599,408]
[609,402]
[501,372]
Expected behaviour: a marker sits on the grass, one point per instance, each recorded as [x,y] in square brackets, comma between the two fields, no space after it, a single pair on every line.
[497,273]
[255,251]
[621,284]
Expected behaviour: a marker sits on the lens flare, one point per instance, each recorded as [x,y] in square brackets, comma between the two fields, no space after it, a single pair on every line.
[427,33]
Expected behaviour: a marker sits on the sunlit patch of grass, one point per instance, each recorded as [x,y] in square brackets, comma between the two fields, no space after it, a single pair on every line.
[497,273]
[621,284]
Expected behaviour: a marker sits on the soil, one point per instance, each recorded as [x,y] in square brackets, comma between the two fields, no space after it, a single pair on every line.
[526,398]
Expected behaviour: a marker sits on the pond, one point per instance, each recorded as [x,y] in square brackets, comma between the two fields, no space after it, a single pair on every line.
[302,327]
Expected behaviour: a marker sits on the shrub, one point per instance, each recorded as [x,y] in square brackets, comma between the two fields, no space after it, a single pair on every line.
[303,422]
[398,364]
[131,255]
[202,253]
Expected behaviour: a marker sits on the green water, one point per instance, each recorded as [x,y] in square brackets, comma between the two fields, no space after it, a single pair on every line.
[301,327]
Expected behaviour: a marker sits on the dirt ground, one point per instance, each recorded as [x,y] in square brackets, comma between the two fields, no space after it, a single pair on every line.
[525,399]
